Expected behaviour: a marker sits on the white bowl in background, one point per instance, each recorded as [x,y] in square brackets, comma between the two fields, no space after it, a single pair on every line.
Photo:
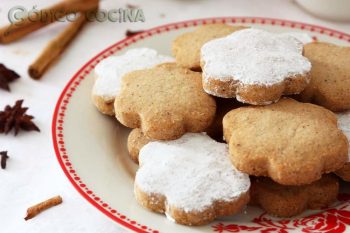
[328,9]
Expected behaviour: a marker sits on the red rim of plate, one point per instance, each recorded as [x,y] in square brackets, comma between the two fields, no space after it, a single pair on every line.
[63,101]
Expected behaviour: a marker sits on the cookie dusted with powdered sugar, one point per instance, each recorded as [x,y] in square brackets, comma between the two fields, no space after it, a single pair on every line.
[186,47]
[255,66]
[110,71]
[302,37]
[190,179]
[344,125]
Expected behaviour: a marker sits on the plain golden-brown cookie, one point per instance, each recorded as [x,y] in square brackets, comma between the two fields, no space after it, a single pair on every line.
[186,47]
[109,72]
[103,105]
[344,172]
[287,201]
[254,66]
[330,76]
[136,140]
[293,143]
[165,102]
[190,179]
[344,125]
[223,106]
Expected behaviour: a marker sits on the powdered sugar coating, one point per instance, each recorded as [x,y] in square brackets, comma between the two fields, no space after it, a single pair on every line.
[191,172]
[344,124]
[111,70]
[253,56]
[302,37]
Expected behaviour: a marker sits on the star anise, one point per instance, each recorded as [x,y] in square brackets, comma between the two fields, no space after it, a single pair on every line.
[15,117]
[6,76]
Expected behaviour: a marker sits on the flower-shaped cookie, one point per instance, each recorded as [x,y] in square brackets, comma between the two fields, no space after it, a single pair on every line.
[136,139]
[223,106]
[109,73]
[330,76]
[287,201]
[344,172]
[302,37]
[165,102]
[255,66]
[186,47]
[190,179]
[344,125]
[293,143]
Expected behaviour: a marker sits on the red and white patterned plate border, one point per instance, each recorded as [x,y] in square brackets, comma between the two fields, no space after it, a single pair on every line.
[330,220]
[63,102]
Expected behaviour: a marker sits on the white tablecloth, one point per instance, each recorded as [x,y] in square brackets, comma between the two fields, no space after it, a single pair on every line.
[33,174]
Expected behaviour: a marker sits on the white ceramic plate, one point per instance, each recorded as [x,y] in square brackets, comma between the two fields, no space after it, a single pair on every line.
[91,147]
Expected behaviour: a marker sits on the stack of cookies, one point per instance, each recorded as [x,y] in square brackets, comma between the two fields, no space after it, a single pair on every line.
[213,131]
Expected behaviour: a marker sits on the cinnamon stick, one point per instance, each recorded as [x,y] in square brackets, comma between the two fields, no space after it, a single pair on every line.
[38,208]
[55,48]
[14,32]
